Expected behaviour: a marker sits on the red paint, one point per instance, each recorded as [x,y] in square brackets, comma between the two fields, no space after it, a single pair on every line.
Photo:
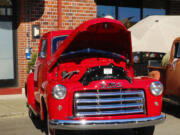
[46,75]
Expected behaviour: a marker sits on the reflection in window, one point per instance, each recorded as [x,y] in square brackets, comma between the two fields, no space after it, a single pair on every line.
[177,50]
[150,11]
[126,12]
[2,11]
[105,10]
[44,47]
[57,42]
[9,11]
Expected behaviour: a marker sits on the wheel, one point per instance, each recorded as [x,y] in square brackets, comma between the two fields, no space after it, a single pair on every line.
[48,130]
[144,130]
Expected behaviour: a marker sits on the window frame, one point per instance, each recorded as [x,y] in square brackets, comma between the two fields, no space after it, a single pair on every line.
[62,36]
[177,50]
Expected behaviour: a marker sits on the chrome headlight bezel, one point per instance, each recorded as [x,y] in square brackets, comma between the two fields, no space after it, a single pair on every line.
[136,59]
[156,88]
[59,91]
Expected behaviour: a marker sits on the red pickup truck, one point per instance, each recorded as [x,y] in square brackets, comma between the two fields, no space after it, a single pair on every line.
[84,80]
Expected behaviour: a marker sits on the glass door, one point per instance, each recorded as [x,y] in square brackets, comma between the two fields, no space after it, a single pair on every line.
[7,60]
[6,50]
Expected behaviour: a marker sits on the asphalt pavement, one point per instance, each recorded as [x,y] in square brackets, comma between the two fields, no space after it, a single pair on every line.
[12,106]
[14,120]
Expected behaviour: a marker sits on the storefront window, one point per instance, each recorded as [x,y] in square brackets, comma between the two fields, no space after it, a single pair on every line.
[6,51]
[105,10]
[150,11]
[9,11]
[2,11]
[126,13]
[129,15]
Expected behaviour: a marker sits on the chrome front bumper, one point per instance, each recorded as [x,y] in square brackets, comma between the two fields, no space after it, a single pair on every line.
[105,124]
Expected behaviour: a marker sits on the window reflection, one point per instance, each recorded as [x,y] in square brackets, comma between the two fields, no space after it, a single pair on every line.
[2,11]
[126,12]
[150,11]
[57,42]
[9,11]
[105,10]
[177,50]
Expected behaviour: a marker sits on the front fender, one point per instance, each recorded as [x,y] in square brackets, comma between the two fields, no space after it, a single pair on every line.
[30,89]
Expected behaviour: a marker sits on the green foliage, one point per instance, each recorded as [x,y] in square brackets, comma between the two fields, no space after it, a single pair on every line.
[165,59]
[32,62]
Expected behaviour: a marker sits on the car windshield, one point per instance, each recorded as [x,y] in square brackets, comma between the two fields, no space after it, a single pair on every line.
[57,41]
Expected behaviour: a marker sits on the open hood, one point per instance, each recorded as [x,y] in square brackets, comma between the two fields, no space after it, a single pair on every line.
[102,34]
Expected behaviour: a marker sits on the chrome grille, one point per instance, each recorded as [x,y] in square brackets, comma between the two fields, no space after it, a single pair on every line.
[109,102]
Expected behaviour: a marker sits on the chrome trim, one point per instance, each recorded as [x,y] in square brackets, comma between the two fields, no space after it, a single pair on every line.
[111,106]
[95,94]
[108,100]
[106,124]
[81,114]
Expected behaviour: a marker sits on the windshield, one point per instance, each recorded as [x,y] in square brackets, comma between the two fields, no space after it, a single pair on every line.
[57,41]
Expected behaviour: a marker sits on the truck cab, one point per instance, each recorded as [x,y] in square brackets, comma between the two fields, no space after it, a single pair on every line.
[84,80]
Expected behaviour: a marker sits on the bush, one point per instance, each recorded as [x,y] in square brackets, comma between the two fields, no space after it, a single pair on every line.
[32,62]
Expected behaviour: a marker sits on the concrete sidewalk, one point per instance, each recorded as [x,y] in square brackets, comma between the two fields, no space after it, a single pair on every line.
[13,106]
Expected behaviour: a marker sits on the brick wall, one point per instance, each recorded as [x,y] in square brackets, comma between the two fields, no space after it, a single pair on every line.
[21,44]
[74,12]
[43,12]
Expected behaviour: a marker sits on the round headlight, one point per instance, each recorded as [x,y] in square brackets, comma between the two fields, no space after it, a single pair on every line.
[156,88]
[59,91]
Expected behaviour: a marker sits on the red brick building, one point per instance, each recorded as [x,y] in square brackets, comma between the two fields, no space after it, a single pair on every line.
[19,18]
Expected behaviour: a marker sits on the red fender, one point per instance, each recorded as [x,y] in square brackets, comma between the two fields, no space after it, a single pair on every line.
[30,90]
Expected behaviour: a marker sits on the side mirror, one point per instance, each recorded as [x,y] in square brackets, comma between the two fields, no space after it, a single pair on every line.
[42,55]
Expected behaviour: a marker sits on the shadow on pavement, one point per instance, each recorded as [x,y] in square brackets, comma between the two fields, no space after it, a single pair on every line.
[40,125]
[171,109]
[96,132]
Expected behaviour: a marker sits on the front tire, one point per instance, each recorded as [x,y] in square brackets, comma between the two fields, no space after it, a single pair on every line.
[144,131]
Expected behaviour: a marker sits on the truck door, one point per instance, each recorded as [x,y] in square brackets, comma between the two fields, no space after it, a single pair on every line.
[41,60]
[173,71]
